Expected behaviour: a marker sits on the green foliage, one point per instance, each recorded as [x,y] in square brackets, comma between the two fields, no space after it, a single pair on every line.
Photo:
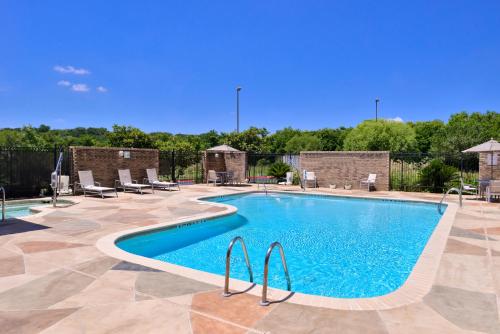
[250,140]
[381,135]
[303,142]
[462,131]
[332,139]
[128,136]
[437,174]
[426,132]
[278,169]
[466,130]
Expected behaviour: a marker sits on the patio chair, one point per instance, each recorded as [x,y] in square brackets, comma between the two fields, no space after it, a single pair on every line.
[230,177]
[64,188]
[493,190]
[369,182]
[310,177]
[88,185]
[468,188]
[289,179]
[213,177]
[152,179]
[126,183]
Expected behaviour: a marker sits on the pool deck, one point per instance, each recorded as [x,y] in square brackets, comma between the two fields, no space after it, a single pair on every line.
[54,279]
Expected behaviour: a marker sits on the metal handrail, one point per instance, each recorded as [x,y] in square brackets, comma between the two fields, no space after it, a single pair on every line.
[228,264]
[458,190]
[57,173]
[2,189]
[264,301]
[264,185]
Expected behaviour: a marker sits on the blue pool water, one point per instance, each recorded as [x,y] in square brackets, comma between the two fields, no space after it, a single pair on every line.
[334,246]
[21,209]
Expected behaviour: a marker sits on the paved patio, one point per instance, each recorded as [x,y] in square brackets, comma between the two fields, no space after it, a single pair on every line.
[54,280]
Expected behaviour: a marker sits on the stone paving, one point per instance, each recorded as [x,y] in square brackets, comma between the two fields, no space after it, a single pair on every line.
[54,280]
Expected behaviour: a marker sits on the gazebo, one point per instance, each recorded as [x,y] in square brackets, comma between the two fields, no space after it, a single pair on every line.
[489,167]
[224,158]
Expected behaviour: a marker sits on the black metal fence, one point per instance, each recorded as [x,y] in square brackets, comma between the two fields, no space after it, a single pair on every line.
[25,171]
[259,164]
[184,167]
[412,171]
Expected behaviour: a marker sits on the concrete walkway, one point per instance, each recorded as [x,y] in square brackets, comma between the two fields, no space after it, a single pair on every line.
[54,280]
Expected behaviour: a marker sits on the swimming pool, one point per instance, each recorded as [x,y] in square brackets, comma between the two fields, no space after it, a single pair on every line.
[335,246]
[22,208]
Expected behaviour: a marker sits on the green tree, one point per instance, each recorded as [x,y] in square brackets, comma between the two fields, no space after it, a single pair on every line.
[381,135]
[127,136]
[426,132]
[332,139]
[250,140]
[279,169]
[465,130]
[303,142]
[437,174]
[276,143]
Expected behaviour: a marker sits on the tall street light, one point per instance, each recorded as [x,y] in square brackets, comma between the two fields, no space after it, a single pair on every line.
[238,109]
[377,100]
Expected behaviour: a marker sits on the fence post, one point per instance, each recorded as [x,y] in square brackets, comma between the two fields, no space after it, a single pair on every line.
[172,173]
[401,181]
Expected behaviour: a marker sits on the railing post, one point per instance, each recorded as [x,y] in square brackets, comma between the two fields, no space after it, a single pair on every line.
[172,173]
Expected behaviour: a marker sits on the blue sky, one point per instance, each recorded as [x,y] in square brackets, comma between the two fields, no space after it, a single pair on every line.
[174,65]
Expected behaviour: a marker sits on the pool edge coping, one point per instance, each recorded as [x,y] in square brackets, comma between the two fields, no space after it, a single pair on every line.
[417,285]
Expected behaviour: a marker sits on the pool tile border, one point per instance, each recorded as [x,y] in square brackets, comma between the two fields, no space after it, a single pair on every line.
[418,284]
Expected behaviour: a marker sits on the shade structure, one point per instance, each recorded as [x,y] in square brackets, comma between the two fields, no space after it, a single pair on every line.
[222,148]
[490,146]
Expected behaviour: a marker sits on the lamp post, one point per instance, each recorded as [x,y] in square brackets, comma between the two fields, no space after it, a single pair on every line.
[238,109]
[377,100]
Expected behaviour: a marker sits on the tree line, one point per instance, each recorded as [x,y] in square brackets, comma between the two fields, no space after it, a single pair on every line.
[461,131]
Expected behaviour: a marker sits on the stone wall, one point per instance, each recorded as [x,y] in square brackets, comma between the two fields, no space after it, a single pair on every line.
[235,162]
[342,168]
[486,171]
[104,162]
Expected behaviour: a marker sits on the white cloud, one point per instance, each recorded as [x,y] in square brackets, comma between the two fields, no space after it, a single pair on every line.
[396,119]
[101,89]
[82,88]
[71,69]
[64,83]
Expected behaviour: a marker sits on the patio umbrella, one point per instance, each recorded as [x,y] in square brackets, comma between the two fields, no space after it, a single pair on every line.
[490,146]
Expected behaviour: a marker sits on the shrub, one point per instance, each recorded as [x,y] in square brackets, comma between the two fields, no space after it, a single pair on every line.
[279,169]
[437,174]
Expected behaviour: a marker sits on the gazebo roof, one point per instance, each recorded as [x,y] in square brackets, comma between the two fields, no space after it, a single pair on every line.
[222,148]
[489,146]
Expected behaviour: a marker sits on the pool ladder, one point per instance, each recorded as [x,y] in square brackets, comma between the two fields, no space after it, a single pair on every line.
[2,189]
[458,190]
[264,301]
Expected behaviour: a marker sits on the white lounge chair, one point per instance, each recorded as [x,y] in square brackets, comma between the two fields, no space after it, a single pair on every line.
[126,182]
[468,188]
[64,188]
[88,185]
[310,177]
[493,189]
[289,179]
[213,177]
[152,179]
[369,182]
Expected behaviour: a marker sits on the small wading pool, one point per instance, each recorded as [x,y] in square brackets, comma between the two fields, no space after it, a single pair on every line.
[334,246]
[22,208]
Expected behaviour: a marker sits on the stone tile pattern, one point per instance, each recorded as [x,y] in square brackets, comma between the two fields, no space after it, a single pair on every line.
[342,168]
[485,170]
[235,162]
[104,162]
[59,283]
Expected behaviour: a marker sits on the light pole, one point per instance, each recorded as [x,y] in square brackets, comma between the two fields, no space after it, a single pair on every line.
[377,100]
[238,109]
